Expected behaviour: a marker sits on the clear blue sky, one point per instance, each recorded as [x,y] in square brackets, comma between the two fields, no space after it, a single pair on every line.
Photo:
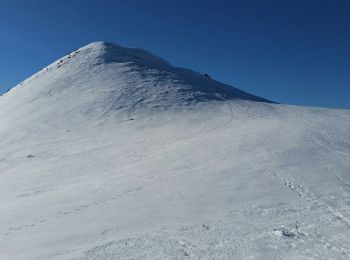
[289,51]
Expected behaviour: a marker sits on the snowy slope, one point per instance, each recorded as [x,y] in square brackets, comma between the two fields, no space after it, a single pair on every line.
[112,153]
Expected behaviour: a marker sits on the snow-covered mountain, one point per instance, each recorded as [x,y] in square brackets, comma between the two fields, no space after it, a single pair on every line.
[112,153]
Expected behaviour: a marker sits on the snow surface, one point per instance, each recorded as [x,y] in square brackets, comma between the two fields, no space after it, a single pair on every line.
[112,153]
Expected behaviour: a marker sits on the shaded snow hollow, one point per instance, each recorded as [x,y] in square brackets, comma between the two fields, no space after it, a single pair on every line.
[112,153]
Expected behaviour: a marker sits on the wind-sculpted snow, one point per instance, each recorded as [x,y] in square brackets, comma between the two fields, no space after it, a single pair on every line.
[112,153]
[103,78]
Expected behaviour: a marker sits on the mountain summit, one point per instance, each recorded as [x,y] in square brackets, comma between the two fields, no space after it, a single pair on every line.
[104,77]
[112,153]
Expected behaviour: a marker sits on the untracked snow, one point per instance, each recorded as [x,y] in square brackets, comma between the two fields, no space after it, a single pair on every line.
[112,153]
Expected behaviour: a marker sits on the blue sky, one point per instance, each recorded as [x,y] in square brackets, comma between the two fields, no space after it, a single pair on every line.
[294,52]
